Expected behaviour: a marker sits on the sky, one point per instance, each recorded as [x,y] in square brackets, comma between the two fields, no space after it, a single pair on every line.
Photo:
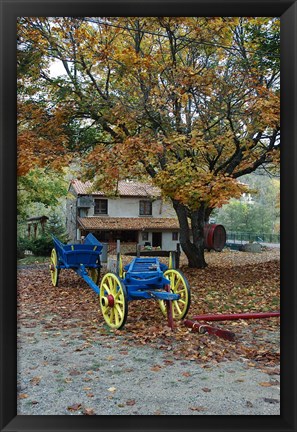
[57,69]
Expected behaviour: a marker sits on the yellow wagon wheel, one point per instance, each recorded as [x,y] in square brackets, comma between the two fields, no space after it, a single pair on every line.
[113,300]
[178,285]
[94,274]
[53,268]
[121,268]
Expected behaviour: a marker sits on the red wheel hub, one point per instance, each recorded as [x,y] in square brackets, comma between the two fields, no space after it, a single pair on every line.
[52,267]
[110,299]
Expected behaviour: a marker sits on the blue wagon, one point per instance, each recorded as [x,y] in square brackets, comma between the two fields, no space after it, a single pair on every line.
[141,279]
[84,259]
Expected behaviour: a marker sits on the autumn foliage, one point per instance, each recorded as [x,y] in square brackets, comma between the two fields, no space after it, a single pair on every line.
[190,103]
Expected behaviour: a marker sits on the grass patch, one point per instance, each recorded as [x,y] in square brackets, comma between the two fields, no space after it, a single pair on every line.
[31,259]
[96,366]
[140,360]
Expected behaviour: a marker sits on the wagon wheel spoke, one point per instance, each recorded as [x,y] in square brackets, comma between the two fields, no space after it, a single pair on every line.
[119,310]
[54,271]
[94,275]
[178,285]
[175,305]
[117,316]
[106,287]
[113,300]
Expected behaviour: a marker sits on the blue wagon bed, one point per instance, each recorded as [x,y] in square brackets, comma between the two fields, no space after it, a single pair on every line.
[82,258]
[141,279]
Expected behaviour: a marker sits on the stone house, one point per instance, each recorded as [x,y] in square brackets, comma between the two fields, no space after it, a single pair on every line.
[136,215]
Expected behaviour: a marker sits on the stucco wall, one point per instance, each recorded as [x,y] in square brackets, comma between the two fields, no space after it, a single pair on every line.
[129,207]
[120,207]
[167,242]
[71,212]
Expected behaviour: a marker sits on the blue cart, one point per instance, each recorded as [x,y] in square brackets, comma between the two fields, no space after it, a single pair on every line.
[84,259]
[142,279]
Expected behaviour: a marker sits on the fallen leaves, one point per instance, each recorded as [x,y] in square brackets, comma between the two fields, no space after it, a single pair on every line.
[232,282]
[198,408]
[79,407]
[74,407]
[112,389]
[88,411]
[74,372]
[35,380]
[156,368]
[206,389]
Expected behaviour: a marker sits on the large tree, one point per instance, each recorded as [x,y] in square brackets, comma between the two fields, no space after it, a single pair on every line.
[39,189]
[191,103]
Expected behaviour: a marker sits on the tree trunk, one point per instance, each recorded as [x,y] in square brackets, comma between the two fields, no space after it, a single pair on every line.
[193,250]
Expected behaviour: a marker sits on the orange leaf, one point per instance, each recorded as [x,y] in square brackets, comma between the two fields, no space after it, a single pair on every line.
[88,411]
[35,380]
[74,407]
[156,368]
[265,384]
[198,408]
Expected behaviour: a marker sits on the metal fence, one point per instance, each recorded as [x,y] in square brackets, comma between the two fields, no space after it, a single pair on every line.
[244,237]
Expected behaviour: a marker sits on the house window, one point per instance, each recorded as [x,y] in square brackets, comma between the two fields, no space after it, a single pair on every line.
[145,236]
[100,206]
[145,208]
[175,236]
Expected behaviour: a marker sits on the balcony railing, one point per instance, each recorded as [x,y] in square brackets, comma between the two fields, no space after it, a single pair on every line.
[244,237]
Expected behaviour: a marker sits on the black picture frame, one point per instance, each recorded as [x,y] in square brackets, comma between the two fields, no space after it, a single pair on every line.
[10,10]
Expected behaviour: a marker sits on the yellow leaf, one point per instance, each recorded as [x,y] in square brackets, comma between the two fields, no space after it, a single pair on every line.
[112,389]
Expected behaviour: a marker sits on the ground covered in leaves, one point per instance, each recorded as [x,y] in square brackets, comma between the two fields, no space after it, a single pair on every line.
[233,282]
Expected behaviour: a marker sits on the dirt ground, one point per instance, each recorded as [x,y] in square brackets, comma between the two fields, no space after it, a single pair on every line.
[71,363]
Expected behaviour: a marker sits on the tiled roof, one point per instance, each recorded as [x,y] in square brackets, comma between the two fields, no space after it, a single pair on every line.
[110,223]
[125,188]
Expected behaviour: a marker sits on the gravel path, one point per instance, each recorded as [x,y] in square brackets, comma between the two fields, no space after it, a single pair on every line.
[69,363]
[61,373]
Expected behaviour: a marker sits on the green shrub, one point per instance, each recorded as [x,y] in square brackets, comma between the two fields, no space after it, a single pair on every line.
[56,227]
[41,246]
[23,244]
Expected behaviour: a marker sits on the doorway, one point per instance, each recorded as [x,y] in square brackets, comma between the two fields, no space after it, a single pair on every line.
[157,239]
